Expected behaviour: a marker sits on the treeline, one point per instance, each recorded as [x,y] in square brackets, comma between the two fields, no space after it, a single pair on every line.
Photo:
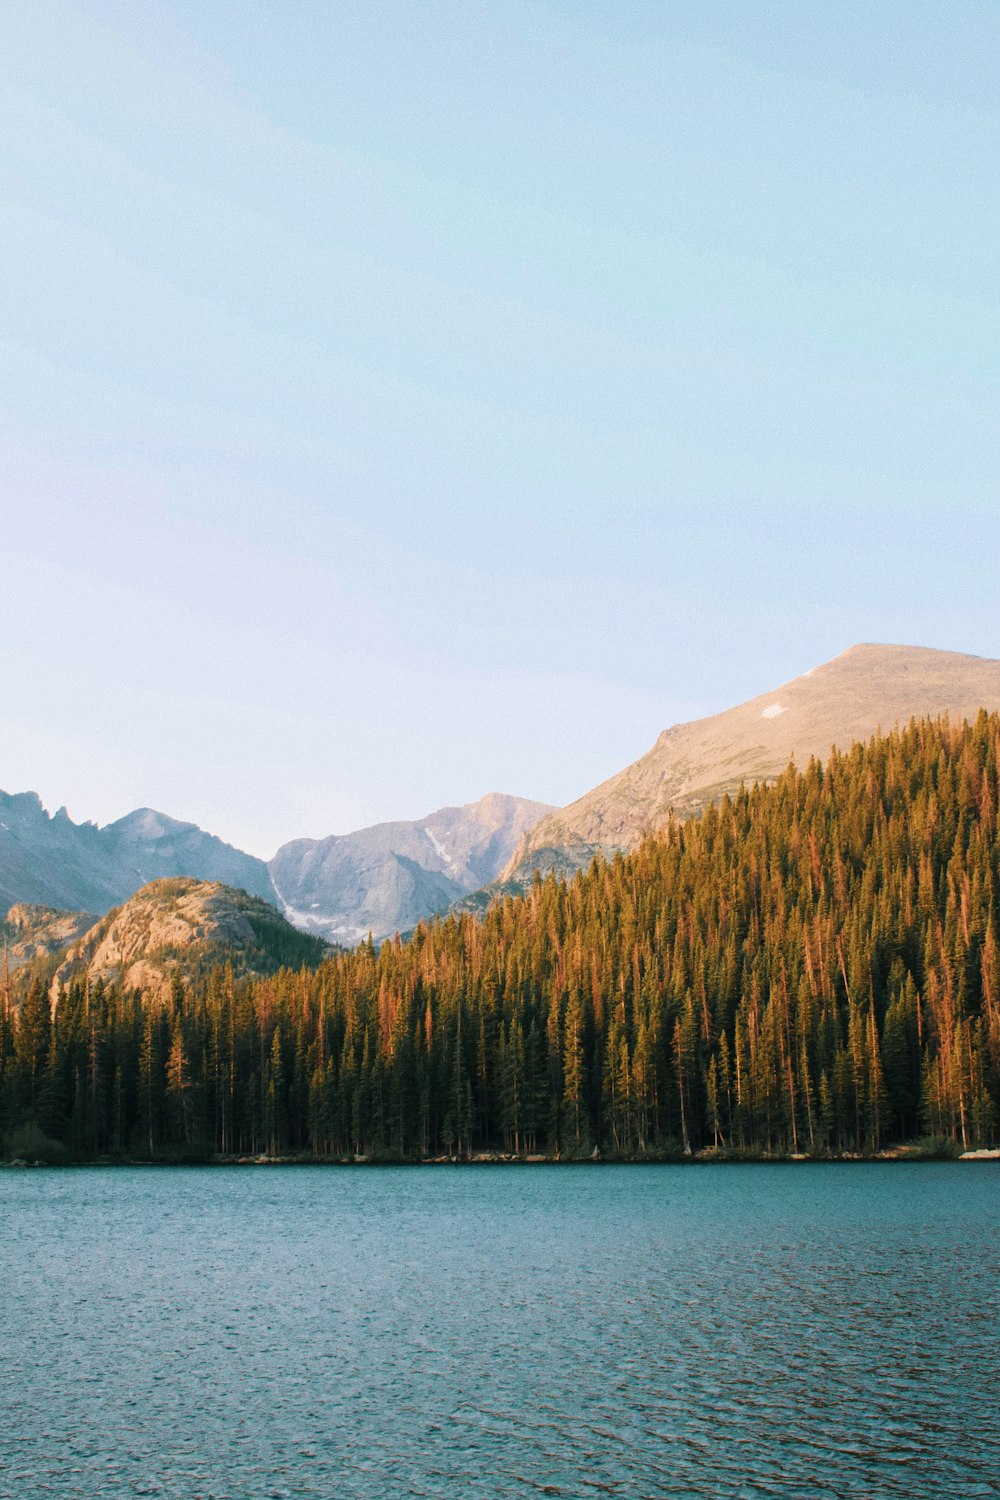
[811,967]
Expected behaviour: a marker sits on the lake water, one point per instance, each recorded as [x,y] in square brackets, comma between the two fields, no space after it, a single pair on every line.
[801,1331]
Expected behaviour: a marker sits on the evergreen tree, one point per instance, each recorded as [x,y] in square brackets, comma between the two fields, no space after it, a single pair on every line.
[812,966]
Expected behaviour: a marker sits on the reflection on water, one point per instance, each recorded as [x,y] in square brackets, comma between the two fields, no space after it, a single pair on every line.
[713,1331]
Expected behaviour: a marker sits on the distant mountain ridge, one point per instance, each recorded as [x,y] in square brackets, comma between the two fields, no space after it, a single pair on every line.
[386,878]
[847,700]
[380,880]
[48,860]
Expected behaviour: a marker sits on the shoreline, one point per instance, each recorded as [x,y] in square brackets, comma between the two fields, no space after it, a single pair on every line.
[903,1154]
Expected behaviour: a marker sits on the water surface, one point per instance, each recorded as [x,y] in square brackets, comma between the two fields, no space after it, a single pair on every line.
[799,1331]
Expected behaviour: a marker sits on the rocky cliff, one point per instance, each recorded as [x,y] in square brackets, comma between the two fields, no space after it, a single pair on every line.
[386,878]
[48,860]
[37,932]
[185,927]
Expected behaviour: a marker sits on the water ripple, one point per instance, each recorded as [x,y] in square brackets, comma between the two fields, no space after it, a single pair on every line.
[740,1332]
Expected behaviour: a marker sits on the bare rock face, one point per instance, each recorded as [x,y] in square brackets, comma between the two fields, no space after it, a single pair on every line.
[380,880]
[148,845]
[185,927]
[866,689]
[52,861]
[386,878]
[31,932]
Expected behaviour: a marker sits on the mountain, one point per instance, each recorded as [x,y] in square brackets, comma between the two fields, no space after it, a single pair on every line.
[52,861]
[867,688]
[381,879]
[151,846]
[813,969]
[386,878]
[186,927]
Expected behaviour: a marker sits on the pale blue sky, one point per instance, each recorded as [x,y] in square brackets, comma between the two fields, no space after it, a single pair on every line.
[405,401]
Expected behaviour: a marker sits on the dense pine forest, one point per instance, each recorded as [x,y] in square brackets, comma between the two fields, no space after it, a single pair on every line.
[809,968]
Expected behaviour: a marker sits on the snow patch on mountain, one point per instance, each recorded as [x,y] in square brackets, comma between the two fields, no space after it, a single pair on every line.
[439,849]
[389,877]
[840,703]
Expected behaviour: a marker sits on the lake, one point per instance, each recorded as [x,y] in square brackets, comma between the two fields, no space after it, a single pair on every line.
[787,1330]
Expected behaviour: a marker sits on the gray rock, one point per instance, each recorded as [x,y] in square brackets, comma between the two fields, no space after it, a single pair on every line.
[386,878]
[53,862]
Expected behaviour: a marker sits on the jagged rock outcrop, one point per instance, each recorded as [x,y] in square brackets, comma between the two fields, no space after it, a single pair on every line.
[866,689]
[185,927]
[34,932]
[386,878]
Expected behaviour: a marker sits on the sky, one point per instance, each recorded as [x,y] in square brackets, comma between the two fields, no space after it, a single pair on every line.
[403,402]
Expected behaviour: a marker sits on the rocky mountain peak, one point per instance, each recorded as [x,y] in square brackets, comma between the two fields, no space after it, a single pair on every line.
[185,926]
[867,688]
[57,863]
[386,878]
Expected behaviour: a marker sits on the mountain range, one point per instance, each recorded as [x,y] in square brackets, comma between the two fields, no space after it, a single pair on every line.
[386,878]
[381,879]
[48,860]
[170,928]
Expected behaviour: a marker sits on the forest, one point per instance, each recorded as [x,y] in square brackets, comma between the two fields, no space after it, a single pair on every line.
[810,968]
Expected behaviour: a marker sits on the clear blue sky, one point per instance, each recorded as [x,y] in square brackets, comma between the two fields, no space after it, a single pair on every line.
[405,401]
